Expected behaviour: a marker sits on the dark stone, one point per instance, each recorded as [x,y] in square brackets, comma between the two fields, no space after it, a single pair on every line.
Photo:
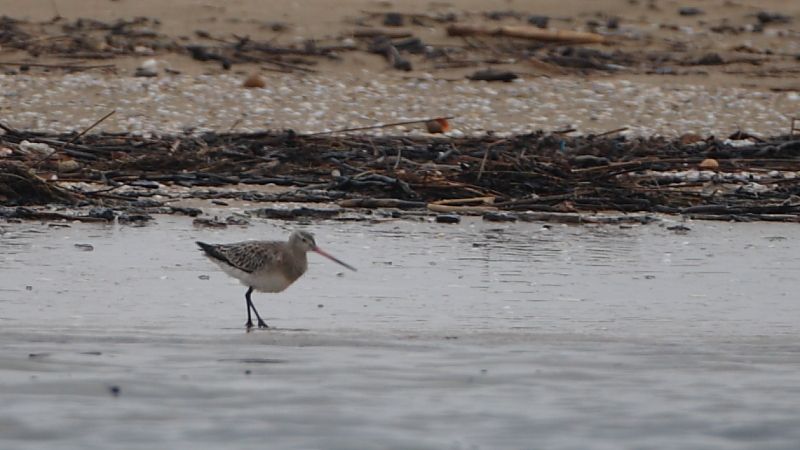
[499,217]
[145,72]
[448,218]
[710,59]
[411,45]
[765,17]
[402,64]
[539,21]
[690,11]
[102,213]
[134,218]
[493,75]
[393,19]
[191,212]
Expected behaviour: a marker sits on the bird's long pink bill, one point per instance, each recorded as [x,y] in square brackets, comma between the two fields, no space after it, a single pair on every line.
[332,258]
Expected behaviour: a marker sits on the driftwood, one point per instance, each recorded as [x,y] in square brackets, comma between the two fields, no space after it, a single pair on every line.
[493,75]
[528,32]
[584,218]
[539,172]
[460,209]
[393,33]
[31,214]
[380,203]
[21,186]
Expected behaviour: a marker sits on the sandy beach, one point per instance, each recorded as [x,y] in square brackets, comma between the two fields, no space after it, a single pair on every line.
[758,74]
[473,324]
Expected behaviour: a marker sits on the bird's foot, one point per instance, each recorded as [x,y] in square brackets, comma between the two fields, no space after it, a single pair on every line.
[249,324]
[262,324]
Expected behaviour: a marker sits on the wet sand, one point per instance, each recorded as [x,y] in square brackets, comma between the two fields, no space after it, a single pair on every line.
[477,335]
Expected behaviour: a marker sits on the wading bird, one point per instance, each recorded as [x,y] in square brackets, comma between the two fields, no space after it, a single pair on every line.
[265,266]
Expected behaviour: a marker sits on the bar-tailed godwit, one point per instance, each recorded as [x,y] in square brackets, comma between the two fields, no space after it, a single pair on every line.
[265,266]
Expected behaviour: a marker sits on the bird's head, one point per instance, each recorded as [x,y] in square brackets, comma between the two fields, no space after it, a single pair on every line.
[303,240]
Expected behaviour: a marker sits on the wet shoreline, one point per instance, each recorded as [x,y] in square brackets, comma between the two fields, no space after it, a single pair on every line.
[474,335]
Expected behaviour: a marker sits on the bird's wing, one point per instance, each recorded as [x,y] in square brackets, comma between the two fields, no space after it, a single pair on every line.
[251,256]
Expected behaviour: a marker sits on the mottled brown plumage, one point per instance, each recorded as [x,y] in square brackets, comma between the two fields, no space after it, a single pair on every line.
[266,266]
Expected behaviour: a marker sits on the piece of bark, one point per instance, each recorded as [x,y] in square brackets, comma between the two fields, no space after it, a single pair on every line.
[528,32]
[493,75]
[396,33]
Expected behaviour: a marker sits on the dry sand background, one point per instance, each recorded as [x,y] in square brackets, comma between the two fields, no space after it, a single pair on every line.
[362,90]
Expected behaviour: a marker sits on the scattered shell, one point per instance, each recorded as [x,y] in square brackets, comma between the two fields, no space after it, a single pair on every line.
[142,50]
[736,143]
[148,68]
[437,126]
[709,164]
[68,165]
[38,148]
[456,133]
[254,81]
[523,107]
[690,138]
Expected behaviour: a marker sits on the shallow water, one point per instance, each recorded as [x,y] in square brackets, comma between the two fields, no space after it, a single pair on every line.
[475,335]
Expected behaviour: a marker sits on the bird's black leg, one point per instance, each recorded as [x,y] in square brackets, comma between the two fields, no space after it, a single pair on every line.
[249,323]
[261,323]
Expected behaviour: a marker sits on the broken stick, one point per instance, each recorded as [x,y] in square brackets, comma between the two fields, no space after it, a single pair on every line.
[526,32]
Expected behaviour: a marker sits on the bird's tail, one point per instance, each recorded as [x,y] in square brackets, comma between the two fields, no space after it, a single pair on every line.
[213,252]
[208,248]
